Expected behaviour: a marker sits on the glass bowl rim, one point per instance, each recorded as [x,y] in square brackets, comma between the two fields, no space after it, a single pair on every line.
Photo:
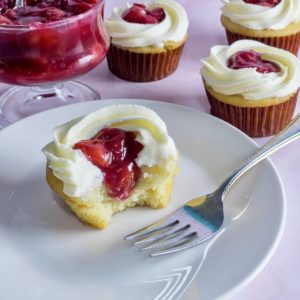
[53,24]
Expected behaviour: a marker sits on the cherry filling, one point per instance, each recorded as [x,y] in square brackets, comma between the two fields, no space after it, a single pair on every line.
[43,11]
[43,53]
[114,151]
[139,13]
[269,3]
[251,59]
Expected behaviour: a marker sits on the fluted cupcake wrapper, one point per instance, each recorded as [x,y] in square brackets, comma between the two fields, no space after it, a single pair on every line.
[255,121]
[290,43]
[143,67]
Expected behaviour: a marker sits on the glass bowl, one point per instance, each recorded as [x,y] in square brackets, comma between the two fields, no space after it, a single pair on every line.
[41,57]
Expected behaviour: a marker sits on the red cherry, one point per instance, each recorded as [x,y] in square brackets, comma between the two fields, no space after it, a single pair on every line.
[80,8]
[6,4]
[93,2]
[134,147]
[251,59]
[114,141]
[158,13]
[52,14]
[139,13]
[11,14]
[114,150]
[121,180]
[61,3]
[41,41]
[33,2]
[269,3]
[5,21]
[95,152]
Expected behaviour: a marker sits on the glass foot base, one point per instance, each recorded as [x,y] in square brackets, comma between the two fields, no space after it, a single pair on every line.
[20,102]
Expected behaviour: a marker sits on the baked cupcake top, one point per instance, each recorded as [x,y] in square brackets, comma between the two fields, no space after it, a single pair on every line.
[153,24]
[262,14]
[82,146]
[251,69]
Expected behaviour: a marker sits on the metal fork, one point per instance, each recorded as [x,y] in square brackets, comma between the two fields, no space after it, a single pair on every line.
[202,217]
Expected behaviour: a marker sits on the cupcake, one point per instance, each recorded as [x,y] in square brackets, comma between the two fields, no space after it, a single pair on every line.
[251,85]
[273,22]
[146,40]
[117,157]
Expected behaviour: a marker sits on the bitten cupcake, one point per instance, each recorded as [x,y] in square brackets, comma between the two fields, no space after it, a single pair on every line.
[273,22]
[117,157]
[146,40]
[251,85]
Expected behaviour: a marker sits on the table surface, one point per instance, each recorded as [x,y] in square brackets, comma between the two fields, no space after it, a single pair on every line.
[280,278]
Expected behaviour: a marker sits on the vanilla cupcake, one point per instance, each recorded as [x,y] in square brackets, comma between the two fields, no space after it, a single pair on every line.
[117,157]
[273,22]
[146,40]
[251,85]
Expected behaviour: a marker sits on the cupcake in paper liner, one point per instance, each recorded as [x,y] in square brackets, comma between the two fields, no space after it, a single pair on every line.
[251,85]
[146,40]
[273,22]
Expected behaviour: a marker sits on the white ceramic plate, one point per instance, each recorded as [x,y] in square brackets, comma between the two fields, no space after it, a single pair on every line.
[46,253]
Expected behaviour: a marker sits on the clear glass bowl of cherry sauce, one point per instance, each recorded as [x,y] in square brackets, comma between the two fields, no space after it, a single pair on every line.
[43,45]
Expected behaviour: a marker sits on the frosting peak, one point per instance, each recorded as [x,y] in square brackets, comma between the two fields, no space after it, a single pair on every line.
[172,28]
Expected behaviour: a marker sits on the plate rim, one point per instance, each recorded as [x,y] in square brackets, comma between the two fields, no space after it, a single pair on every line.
[272,247]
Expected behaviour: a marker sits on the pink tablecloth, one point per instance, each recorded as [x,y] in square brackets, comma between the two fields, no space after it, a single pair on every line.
[280,278]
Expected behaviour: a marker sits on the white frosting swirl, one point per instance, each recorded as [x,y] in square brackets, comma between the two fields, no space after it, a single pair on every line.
[79,176]
[259,17]
[247,82]
[172,28]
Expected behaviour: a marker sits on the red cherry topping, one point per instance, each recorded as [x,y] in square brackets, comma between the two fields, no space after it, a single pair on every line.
[6,4]
[120,180]
[139,13]
[269,3]
[251,59]
[114,151]
[53,14]
[43,11]
[5,21]
[95,152]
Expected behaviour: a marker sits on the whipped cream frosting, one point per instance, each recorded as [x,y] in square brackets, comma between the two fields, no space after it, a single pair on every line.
[247,82]
[79,176]
[172,28]
[259,17]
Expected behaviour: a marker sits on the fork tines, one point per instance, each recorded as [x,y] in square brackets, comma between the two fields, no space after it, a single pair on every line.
[169,234]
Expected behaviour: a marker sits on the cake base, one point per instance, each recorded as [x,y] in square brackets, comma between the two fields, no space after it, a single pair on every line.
[153,190]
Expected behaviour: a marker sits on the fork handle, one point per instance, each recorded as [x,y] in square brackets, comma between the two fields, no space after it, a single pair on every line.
[290,133]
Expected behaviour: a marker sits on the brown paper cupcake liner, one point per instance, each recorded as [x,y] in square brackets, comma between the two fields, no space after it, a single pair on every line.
[290,42]
[255,121]
[143,67]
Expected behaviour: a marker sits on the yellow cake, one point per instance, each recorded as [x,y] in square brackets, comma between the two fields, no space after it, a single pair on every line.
[80,182]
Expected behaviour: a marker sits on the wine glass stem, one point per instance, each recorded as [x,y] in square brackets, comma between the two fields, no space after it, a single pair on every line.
[44,92]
